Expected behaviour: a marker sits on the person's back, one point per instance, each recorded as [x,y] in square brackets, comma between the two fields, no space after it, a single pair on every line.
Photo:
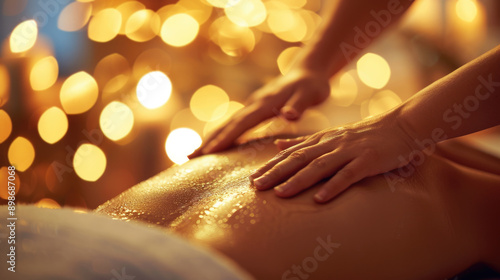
[435,223]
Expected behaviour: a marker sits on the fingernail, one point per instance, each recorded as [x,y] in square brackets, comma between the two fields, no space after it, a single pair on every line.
[320,196]
[261,181]
[280,189]
[290,112]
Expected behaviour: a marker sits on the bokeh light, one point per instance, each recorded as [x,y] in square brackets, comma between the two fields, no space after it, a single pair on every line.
[47,203]
[154,90]
[285,23]
[112,73]
[246,13]
[4,177]
[89,162]
[373,70]
[230,110]
[345,90]
[209,103]
[4,85]
[234,40]
[181,143]
[79,93]
[466,10]
[382,102]
[223,3]
[21,153]
[6,125]
[116,120]
[105,25]
[157,59]
[23,36]
[142,26]
[287,58]
[52,125]
[44,73]
[127,9]
[179,30]
[74,16]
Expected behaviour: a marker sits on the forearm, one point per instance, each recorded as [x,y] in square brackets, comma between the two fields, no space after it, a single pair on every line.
[466,101]
[348,27]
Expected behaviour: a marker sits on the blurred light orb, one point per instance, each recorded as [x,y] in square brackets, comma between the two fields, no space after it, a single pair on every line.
[206,101]
[127,9]
[373,70]
[74,16]
[4,85]
[180,143]
[154,90]
[52,125]
[142,25]
[287,24]
[89,162]
[179,30]
[287,58]
[382,102]
[6,125]
[4,177]
[47,203]
[466,10]
[21,153]
[78,93]
[223,3]
[116,120]
[230,110]
[246,12]
[105,25]
[112,73]
[44,73]
[233,40]
[345,92]
[24,36]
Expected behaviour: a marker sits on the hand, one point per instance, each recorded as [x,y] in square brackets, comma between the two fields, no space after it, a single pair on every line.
[287,96]
[349,154]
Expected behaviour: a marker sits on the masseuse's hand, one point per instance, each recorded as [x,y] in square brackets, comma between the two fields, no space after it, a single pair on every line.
[346,154]
[287,96]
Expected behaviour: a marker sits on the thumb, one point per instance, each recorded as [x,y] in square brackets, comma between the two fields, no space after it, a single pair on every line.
[296,105]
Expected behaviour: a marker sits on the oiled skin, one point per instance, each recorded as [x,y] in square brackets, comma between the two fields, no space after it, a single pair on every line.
[434,224]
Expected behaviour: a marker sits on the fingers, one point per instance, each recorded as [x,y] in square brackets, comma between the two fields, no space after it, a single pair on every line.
[348,175]
[279,157]
[296,105]
[284,144]
[289,166]
[320,168]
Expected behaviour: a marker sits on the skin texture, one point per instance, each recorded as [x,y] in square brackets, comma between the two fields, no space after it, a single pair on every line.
[435,223]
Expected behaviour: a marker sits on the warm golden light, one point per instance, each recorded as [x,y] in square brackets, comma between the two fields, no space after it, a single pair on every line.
[21,153]
[246,12]
[154,90]
[344,91]
[6,125]
[78,93]
[4,85]
[126,10]
[112,73]
[44,73]
[47,203]
[373,70]
[287,58]
[179,30]
[198,9]
[286,24]
[205,103]
[230,109]
[23,36]
[74,16]
[4,177]
[466,10]
[234,40]
[157,59]
[105,25]
[223,3]
[89,162]
[116,120]
[382,102]
[142,26]
[52,125]
[181,143]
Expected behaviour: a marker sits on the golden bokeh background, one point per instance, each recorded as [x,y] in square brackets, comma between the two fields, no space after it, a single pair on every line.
[98,95]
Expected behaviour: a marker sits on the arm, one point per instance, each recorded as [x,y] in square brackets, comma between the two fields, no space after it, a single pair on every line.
[348,28]
[465,101]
